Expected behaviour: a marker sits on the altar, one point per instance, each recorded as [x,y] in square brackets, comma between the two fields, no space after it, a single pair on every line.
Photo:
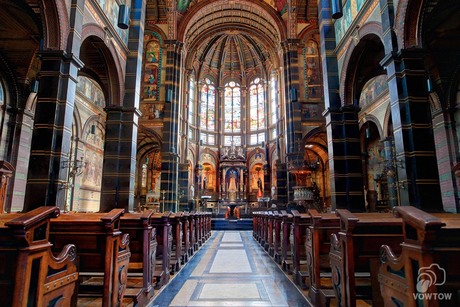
[233,181]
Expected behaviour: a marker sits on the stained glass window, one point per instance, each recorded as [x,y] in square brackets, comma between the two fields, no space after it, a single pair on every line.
[273,107]
[191,101]
[256,105]
[236,140]
[232,102]
[208,106]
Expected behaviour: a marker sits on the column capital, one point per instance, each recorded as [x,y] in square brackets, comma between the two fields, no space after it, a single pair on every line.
[61,55]
[404,54]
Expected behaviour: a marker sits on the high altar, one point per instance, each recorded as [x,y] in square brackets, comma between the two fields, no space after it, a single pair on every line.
[233,176]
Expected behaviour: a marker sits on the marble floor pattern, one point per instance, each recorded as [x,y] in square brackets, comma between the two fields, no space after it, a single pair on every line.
[231,269]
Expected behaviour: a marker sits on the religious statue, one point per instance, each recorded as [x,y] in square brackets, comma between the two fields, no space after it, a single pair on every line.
[192,191]
[273,191]
[205,183]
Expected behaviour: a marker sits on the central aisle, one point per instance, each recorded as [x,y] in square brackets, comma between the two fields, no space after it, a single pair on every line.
[231,269]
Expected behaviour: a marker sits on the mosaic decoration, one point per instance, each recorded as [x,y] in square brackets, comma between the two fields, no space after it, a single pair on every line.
[152,67]
[91,90]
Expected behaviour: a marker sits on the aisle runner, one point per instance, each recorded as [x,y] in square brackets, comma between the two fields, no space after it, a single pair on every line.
[231,270]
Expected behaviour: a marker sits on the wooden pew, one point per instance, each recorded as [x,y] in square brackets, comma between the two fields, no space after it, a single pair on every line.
[103,252]
[30,275]
[354,254]
[278,219]
[160,221]
[185,237]
[192,233]
[175,219]
[300,223]
[318,246]
[427,265]
[208,224]
[269,235]
[143,247]
[255,225]
[286,256]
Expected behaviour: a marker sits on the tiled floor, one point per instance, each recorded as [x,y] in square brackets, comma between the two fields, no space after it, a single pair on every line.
[231,269]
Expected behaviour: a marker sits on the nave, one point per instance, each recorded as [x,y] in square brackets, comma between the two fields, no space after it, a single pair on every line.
[231,269]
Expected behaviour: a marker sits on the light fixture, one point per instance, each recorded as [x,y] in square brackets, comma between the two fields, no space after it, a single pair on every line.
[123,17]
[337,10]
[34,86]
[429,85]
[93,129]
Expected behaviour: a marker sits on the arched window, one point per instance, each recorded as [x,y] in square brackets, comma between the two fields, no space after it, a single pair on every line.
[208,111]
[191,101]
[273,107]
[208,106]
[191,107]
[256,105]
[232,110]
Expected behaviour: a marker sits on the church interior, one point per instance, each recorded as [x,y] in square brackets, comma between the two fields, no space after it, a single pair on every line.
[173,152]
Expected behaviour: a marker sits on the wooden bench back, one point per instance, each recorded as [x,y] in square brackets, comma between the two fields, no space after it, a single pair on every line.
[102,248]
[30,274]
[355,253]
[142,245]
[427,264]
[317,247]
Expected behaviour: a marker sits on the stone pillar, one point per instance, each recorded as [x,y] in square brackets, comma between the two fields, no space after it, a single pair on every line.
[183,186]
[119,169]
[281,183]
[411,118]
[413,130]
[52,129]
[341,124]
[170,159]
[294,152]
[20,155]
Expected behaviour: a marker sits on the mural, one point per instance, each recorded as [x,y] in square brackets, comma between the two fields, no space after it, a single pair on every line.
[312,74]
[311,111]
[351,9]
[93,156]
[152,67]
[152,110]
[182,6]
[281,6]
[375,163]
[110,8]
[372,90]
[91,90]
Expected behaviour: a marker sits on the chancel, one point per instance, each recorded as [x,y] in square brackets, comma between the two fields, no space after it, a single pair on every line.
[306,152]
